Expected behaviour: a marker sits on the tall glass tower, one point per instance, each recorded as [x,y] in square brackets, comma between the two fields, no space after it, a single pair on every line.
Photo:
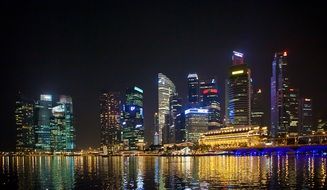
[110,110]
[166,89]
[62,127]
[24,124]
[280,118]
[238,92]
[132,119]
[193,90]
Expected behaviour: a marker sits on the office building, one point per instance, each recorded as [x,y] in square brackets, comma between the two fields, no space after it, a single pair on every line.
[306,116]
[132,119]
[293,111]
[193,90]
[166,89]
[196,123]
[110,111]
[62,131]
[280,117]
[43,113]
[238,92]
[24,110]
[257,109]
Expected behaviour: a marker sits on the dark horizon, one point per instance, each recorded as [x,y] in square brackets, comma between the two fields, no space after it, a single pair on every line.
[80,49]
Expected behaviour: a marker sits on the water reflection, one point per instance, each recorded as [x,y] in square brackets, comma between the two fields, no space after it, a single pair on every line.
[57,172]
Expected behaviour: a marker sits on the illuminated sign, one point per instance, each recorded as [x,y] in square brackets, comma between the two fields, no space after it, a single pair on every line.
[285,53]
[46,97]
[192,75]
[212,90]
[138,126]
[238,72]
[138,89]
[238,54]
[195,110]
[307,99]
[259,91]
[132,108]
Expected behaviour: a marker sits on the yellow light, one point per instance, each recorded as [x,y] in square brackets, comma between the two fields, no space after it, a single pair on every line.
[237,72]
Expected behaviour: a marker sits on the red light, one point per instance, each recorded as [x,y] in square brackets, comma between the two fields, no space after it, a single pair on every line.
[214,91]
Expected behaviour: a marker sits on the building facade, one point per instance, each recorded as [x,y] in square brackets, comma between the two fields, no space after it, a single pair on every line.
[196,123]
[166,89]
[293,112]
[306,116]
[280,118]
[24,119]
[238,92]
[193,90]
[43,114]
[110,112]
[257,109]
[62,131]
[132,119]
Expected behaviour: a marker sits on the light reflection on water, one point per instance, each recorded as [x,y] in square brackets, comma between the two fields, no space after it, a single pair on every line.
[89,172]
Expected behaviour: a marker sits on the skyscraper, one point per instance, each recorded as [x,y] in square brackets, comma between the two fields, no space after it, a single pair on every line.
[238,92]
[43,113]
[257,109]
[210,100]
[193,90]
[196,123]
[24,124]
[62,129]
[306,116]
[132,119]
[110,110]
[280,118]
[293,112]
[166,89]
[156,129]
[175,109]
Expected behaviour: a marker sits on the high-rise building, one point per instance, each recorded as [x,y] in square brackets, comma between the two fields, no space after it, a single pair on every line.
[257,109]
[210,100]
[175,109]
[293,112]
[62,131]
[280,118]
[196,123]
[193,90]
[238,92]
[24,124]
[132,119]
[43,113]
[156,129]
[180,131]
[306,116]
[166,89]
[110,110]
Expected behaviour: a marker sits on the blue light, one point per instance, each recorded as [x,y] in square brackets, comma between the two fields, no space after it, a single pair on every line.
[138,89]
[132,108]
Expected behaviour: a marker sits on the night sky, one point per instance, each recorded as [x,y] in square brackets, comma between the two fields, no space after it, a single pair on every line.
[82,48]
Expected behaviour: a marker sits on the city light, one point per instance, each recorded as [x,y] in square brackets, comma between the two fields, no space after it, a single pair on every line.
[238,72]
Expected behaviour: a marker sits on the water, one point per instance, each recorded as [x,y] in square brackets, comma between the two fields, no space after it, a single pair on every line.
[212,172]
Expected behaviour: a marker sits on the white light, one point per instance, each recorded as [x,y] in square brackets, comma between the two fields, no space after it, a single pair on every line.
[46,97]
[196,110]
[238,54]
[138,89]
[192,75]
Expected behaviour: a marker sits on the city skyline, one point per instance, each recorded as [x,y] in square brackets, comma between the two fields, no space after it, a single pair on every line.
[48,67]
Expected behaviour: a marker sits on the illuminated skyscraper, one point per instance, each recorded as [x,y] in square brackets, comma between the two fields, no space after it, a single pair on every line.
[280,118]
[110,110]
[210,100]
[293,111]
[24,124]
[306,116]
[196,123]
[156,129]
[166,89]
[257,109]
[132,119]
[43,113]
[62,125]
[193,90]
[238,92]
[175,109]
